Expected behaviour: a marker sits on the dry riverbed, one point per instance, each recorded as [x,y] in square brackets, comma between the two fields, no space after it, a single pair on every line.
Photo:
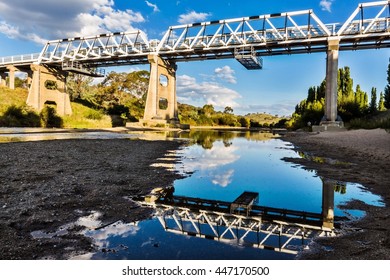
[48,184]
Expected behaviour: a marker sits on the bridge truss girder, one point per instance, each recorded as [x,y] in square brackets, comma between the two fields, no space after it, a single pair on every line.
[297,32]
[277,235]
[105,49]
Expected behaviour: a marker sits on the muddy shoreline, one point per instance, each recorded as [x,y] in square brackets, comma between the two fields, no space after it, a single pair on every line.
[365,159]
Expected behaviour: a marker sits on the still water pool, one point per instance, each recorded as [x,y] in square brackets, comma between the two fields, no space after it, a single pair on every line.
[219,167]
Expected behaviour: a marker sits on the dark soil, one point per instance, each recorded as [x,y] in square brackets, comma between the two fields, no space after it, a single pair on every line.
[46,184]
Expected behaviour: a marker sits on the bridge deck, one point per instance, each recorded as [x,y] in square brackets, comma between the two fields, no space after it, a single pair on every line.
[267,214]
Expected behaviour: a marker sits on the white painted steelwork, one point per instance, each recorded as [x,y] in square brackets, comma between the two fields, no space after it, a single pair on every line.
[277,235]
[368,27]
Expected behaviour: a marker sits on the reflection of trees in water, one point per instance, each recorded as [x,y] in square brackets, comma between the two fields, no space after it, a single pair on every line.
[321,160]
[206,138]
[340,187]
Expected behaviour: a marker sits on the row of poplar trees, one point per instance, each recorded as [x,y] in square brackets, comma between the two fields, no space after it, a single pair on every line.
[352,102]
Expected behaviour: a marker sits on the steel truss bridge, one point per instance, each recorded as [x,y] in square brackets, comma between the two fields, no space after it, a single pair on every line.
[280,230]
[264,35]
[246,39]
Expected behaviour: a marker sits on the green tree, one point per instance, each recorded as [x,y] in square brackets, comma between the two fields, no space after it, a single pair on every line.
[321,90]
[373,106]
[312,94]
[78,86]
[20,83]
[387,89]
[361,100]
[381,104]
[208,110]
[228,110]
[345,85]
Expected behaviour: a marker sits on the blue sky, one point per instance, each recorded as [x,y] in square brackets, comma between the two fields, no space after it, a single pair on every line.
[25,25]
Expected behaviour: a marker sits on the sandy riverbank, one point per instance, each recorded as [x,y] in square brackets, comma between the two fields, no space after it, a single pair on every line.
[365,155]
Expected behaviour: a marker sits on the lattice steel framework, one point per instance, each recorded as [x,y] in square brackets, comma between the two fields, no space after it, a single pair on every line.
[255,232]
[273,34]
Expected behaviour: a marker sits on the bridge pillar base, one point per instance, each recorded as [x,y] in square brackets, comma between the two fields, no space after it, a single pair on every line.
[329,126]
[161,104]
[48,86]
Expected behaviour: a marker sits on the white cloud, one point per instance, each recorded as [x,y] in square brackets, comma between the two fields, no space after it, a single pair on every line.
[223,179]
[42,20]
[326,5]
[210,159]
[193,17]
[206,92]
[226,73]
[209,162]
[154,6]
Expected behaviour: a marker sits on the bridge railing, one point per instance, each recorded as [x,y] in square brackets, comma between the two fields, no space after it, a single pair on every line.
[24,58]
[368,18]
[100,47]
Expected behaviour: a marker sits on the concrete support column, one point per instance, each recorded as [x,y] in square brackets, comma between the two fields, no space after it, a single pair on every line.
[328,203]
[332,61]
[3,81]
[161,101]
[11,76]
[48,85]
[29,78]
[34,93]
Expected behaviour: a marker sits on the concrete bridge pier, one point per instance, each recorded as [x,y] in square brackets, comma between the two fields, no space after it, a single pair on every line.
[161,103]
[48,86]
[11,76]
[328,203]
[3,81]
[331,120]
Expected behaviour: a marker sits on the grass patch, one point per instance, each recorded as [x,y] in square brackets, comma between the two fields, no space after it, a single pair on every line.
[85,117]
[379,120]
[15,113]
[9,97]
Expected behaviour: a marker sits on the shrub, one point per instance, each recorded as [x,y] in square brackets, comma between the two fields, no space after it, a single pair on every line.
[94,115]
[49,117]
[19,116]
[369,123]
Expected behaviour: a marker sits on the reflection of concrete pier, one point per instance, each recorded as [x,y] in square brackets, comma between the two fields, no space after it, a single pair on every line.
[277,229]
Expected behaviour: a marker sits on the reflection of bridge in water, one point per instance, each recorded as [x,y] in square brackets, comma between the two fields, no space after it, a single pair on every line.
[278,229]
